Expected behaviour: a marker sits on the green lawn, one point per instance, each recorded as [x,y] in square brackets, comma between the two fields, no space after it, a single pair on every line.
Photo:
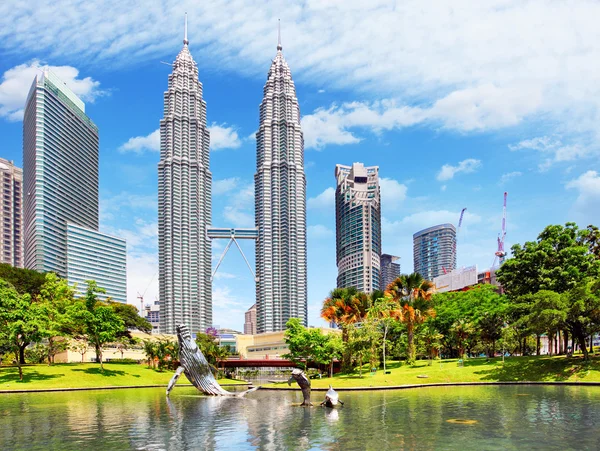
[76,375]
[541,368]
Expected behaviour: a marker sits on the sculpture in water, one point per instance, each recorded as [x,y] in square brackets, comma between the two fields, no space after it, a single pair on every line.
[304,383]
[196,368]
[331,398]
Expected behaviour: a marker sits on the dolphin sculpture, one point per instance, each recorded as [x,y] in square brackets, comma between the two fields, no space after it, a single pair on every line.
[304,383]
[196,368]
[331,398]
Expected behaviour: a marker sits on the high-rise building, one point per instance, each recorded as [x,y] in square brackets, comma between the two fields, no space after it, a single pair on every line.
[250,321]
[280,201]
[184,202]
[390,270]
[92,255]
[11,214]
[434,250]
[358,227]
[60,168]
[60,172]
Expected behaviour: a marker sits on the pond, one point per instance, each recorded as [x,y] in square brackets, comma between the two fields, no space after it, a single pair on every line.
[444,418]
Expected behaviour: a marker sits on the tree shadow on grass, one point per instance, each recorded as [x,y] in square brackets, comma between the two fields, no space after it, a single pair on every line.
[9,375]
[105,372]
[539,369]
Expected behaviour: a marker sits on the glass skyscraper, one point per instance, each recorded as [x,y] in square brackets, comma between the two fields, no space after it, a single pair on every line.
[358,227]
[434,250]
[184,202]
[389,270]
[60,170]
[280,203]
[60,165]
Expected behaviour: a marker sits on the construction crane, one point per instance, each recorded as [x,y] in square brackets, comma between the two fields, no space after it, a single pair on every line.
[460,220]
[501,253]
[140,296]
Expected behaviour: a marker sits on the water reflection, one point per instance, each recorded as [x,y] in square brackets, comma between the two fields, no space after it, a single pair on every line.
[506,418]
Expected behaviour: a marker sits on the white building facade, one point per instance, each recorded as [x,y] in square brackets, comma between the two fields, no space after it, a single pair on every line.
[11,214]
[358,227]
[184,202]
[280,202]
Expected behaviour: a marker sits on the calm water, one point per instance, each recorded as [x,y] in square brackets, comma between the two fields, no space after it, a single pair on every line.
[507,418]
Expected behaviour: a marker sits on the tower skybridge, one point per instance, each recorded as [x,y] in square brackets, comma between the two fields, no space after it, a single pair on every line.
[233,235]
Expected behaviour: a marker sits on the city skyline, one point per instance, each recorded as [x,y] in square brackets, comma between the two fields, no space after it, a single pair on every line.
[443,139]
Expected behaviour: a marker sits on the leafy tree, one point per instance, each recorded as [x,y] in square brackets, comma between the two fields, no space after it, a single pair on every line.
[125,343]
[99,323]
[413,293]
[131,319]
[81,347]
[54,305]
[209,345]
[18,325]
[462,330]
[167,352]
[583,311]
[558,261]
[385,312]
[311,345]
[547,313]
[591,238]
[490,326]
[363,344]
[431,339]
[25,281]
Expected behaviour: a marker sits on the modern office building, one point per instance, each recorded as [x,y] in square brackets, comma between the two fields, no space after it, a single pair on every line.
[434,250]
[250,321]
[390,270]
[358,227]
[280,203]
[11,214]
[60,168]
[184,202]
[92,255]
[152,313]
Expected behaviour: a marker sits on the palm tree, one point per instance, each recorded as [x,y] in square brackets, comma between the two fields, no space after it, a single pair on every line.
[345,306]
[414,295]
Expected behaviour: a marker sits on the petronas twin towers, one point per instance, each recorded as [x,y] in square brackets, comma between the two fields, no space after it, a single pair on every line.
[184,198]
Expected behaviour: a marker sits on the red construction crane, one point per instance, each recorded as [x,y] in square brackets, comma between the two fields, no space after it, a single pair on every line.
[500,253]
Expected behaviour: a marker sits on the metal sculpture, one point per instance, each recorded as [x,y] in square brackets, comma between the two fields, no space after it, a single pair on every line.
[196,368]
[331,398]
[304,383]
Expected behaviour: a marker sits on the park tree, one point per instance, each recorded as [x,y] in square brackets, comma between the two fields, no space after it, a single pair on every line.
[413,293]
[131,319]
[99,324]
[431,339]
[385,312]
[363,344]
[25,281]
[558,261]
[209,346]
[583,311]
[311,345]
[54,307]
[345,307]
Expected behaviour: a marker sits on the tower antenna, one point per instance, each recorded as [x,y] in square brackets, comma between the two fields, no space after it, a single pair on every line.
[279,47]
[185,39]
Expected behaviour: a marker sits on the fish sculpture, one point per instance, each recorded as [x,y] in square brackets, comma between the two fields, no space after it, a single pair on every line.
[331,398]
[304,383]
[196,368]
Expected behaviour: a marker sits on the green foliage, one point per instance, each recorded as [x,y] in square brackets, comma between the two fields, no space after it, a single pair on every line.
[209,345]
[130,317]
[25,281]
[310,345]
[363,343]
[558,261]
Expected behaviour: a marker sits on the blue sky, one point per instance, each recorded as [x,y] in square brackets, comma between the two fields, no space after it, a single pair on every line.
[455,103]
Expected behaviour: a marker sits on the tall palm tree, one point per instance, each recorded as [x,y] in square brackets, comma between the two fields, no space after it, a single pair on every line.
[414,295]
[344,307]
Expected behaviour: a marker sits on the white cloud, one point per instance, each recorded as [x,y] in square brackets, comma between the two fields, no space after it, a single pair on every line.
[423,219]
[447,172]
[223,137]
[324,201]
[17,81]
[509,176]
[239,210]
[443,188]
[319,231]
[139,144]
[555,150]
[586,208]
[109,206]
[142,277]
[393,193]
[224,185]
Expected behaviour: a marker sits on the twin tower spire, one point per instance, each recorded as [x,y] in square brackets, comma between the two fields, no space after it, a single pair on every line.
[185,202]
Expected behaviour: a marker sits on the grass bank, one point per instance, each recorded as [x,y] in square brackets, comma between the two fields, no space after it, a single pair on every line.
[85,375]
[523,369]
